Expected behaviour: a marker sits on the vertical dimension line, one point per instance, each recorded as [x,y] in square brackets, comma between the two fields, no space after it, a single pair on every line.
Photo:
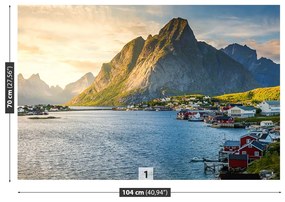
[9,33]
[9,147]
[9,114]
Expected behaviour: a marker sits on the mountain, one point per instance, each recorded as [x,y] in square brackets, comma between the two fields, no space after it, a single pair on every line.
[265,71]
[170,63]
[35,91]
[256,95]
[78,86]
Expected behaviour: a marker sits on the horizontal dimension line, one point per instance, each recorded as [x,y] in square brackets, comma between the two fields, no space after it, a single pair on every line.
[175,192]
[67,192]
[226,192]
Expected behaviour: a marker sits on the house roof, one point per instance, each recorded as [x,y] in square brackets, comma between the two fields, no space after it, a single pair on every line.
[222,117]
[258,145]
[237,157]
[255,144]
[273,102]
[251,135]
[263,136]
[266,121]
[231,143]
[246,108]
[234,104]
[265,144]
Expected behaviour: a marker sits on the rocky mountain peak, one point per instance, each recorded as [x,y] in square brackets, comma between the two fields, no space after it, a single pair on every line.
[88,76]
[36,91]
[265,71]
[35,77]
[169,63]
[120,66]
[20,76]
[237,51]
[178,29]
[129,50]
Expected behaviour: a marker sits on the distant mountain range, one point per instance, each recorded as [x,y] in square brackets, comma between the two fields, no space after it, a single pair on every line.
[170,63]
[35,91]
[265,71]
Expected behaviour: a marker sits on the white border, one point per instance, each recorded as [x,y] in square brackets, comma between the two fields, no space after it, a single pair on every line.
[9,191]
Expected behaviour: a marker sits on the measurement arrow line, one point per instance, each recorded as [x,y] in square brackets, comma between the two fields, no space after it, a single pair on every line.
[228,192]
[175,192]
[9,114]
[67,192]
[9,33]
[9,147]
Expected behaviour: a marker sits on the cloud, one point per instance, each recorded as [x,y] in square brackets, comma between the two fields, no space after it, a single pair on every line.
[225,30]
[85,65]
[158,11]
[269,49]
[29,48]
[219,43]
[231,27]
[70,38]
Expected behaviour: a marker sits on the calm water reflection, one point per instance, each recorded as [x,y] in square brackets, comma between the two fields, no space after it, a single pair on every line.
[113,144]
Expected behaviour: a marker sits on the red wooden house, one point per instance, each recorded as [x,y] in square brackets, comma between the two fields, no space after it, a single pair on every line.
[238,161]
[245,139]
[253,149]
[223,119]
[231,145]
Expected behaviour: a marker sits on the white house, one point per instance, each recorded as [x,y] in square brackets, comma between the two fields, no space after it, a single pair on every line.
[168,99]
[269,108]
[265,138]
[242,111]
[266,124]
[21,110]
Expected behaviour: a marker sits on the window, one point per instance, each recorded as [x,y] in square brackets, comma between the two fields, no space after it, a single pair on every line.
[243,152]
[250,146]
[256,153]
[235,111]
[247,140]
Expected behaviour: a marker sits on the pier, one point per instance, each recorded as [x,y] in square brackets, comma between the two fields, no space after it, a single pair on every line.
[213,166]
[228,125]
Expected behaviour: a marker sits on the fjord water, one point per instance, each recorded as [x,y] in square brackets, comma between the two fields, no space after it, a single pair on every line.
[87,145]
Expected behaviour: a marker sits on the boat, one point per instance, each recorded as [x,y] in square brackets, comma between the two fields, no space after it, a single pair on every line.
[211,160]
[149,109]
[254,128]
[196,159]
[196,117]
[216,125]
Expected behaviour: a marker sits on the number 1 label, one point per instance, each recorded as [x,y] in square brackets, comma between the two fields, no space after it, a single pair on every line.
[145,173]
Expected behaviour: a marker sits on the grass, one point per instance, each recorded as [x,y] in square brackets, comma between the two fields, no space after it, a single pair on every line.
[253,96]
[270,161]
[258,119]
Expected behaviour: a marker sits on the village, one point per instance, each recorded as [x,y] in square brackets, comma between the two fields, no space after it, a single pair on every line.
[40,109]
[262,122]
[263,130]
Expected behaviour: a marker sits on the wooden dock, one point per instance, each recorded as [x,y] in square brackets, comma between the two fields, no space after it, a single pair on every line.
[228,125]
[213,167]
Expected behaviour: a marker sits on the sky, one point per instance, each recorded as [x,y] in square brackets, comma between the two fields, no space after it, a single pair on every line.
[62,43]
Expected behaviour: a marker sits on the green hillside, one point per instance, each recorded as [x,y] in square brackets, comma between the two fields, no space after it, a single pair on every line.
[270,161]
[252,96]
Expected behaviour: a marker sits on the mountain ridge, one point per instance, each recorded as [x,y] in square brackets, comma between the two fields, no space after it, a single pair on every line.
[170,63]
[265,71]
[34,90]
